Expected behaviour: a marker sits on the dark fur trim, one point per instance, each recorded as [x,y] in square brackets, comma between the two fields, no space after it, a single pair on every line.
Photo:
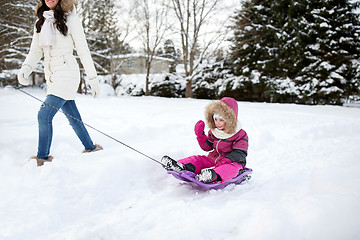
[225,111]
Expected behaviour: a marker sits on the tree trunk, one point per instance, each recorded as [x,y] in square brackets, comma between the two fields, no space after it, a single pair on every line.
[148,68]
[188,91]
[147,93]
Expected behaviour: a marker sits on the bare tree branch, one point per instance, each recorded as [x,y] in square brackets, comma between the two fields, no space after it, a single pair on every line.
[192,15]
[151,18]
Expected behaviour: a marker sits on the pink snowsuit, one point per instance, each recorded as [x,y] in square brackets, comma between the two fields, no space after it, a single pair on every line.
[228,155]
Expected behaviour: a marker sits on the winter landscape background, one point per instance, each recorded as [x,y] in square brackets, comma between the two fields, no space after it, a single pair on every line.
[305,183]
[297,51]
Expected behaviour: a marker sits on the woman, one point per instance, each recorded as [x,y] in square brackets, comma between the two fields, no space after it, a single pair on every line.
[57,31]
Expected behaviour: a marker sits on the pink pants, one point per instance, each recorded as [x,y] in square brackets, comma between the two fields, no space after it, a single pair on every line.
[226,171]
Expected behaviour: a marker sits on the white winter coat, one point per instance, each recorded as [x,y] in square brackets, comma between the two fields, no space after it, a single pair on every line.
[62,72]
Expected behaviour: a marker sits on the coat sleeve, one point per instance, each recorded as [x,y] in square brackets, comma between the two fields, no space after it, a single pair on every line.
[35,53]
[240,148]
[208,144]
[82,49]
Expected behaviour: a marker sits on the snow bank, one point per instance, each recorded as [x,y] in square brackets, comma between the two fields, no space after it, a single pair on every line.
[305,183]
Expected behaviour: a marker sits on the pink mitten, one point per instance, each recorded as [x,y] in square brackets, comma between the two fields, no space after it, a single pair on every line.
[199,131]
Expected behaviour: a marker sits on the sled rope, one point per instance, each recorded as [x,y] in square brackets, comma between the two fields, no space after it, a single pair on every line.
[97,130]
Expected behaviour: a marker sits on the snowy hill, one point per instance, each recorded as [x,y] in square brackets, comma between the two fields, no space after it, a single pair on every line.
[305,183]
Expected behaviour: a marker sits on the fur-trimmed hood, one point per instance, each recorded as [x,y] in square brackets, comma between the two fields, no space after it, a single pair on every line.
[66,5]
[228,109]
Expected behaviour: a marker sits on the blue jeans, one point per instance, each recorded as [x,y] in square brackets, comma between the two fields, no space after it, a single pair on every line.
[46,114]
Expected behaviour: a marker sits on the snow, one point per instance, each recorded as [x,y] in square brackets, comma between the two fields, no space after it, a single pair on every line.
[325,25]
[305,183]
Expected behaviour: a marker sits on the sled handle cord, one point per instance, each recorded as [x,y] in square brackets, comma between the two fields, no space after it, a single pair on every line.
[107,135]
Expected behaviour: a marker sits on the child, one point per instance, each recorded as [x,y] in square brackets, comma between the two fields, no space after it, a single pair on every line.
[226,140]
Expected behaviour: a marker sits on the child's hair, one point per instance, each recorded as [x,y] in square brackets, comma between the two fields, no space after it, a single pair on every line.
[60,18]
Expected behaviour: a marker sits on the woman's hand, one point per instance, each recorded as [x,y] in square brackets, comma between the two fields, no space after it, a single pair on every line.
[23,75]
[95,88]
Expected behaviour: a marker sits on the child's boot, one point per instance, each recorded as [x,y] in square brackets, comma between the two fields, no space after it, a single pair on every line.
[207,176]
[171,165]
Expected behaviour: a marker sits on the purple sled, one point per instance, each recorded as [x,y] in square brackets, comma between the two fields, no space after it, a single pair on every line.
[188,176]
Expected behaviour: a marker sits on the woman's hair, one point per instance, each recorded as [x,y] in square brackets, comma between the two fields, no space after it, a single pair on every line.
[60,18]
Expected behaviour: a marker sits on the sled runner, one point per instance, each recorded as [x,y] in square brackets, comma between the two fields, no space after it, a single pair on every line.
[188,176]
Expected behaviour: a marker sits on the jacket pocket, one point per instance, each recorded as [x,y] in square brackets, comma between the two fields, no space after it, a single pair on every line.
[57,64]
[71,62]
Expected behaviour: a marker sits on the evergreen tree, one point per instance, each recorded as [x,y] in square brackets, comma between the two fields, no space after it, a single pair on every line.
[169,51]
[303,47]
[255,50]
[332,52]
[17,21]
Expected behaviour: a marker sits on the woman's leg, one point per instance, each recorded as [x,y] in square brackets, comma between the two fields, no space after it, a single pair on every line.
[73,115]
[45,116]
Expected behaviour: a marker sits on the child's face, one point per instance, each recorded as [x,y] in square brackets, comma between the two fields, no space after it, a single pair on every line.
[220,123]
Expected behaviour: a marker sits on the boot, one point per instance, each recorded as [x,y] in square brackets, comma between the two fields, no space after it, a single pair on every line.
[41,161]
[171,165]
[97,148]
[207,176]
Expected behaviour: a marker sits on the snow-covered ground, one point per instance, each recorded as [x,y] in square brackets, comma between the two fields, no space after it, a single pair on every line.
[305,184]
